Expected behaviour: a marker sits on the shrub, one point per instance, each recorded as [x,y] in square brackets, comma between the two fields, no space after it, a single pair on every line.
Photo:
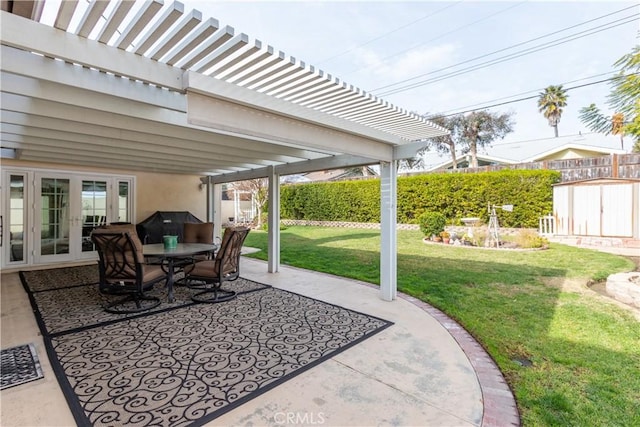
[529,239]
[432,223]
[455,195]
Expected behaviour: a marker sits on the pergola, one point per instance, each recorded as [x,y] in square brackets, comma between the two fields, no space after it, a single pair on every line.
[147,86]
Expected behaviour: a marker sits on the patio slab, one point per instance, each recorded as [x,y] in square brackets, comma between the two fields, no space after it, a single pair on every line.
[412,373]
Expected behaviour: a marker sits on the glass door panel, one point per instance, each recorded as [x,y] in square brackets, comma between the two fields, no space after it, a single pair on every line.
[13,219]
[94,210]
[124,201]
[17,218]
[55,217]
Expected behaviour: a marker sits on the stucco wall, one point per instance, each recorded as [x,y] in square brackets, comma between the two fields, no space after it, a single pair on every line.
[162,192]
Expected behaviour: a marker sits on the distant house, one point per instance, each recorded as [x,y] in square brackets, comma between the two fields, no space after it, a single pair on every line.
[573,151]
[341,174]
[465,160]
[535,150]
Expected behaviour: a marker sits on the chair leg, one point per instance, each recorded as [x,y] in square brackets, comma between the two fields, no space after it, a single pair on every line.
[214,294]
[137,299]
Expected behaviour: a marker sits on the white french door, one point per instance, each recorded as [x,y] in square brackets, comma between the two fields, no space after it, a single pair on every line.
[50,215]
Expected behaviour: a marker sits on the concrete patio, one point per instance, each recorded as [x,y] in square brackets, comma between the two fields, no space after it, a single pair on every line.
[423,371]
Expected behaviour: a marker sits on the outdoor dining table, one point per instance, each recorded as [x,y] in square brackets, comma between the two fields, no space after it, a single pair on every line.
[182,250]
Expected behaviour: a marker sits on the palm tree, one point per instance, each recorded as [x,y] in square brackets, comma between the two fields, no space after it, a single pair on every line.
[550,104]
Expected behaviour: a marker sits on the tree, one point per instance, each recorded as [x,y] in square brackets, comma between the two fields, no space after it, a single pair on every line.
[469,132]
[550,104]
[624,99]
[481,128]
[445,143]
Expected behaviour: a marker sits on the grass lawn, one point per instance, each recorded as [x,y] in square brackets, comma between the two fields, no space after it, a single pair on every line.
[585,350]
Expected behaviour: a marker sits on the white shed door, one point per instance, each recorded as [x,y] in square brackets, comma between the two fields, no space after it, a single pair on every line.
[617,208]
[561,209]
[586,210]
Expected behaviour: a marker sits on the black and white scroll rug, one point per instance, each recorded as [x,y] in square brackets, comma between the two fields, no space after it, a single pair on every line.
[187,364]
[19,365]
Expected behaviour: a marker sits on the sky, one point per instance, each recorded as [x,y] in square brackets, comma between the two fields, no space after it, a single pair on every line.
[383,46]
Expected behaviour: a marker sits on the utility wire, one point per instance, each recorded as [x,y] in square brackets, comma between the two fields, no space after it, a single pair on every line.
[479,105]
[534,96]
[509,47]
[389,33]
[447,33]
[508,57]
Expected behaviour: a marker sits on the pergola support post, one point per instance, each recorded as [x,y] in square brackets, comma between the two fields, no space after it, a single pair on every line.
[273,222]
[215,215]
[388,230]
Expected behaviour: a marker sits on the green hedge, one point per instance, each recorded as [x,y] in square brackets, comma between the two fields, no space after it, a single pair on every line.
[456,195]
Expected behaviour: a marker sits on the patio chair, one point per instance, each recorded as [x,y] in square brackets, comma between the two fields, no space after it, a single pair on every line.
[225,267]
[194,232]
[124,272]
[198,233]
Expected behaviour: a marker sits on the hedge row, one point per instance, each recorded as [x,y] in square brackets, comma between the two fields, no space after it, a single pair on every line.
[454,195]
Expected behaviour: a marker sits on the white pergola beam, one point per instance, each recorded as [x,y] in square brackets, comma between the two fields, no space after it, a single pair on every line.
[189,22]
[179,52]
[253,70]
[223,52]
[176,128]
[241,57]
[114,20]
[279,67]
[65,14]
[91,16]
[244,61]
[24,70]
[137,24]
[326,163]
[161,26]
[32,36]
[212,43]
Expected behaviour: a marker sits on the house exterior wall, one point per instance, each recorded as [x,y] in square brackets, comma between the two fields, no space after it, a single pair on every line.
[153,192]
[162,192]
[571,153]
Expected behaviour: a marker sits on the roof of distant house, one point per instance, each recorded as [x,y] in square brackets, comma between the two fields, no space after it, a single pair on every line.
[537,149]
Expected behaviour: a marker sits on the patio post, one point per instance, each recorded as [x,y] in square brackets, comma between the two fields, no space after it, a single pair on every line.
[216,206]
[273,221]
[388,231]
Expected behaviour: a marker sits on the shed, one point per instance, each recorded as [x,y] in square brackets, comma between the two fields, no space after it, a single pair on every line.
[598,208]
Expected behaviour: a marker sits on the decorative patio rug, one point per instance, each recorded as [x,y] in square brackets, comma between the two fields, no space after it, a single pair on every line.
[68,299]
[19,365]
[188,364]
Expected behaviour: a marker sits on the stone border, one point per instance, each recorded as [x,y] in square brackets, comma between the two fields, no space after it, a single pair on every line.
[500,408]
[621,288]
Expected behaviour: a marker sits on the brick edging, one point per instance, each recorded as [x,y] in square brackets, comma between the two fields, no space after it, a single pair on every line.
[499,404]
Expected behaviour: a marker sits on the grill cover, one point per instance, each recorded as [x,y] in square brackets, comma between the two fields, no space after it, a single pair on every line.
[160,223]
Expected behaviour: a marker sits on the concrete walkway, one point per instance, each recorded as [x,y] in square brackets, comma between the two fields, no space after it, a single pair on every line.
[423,371]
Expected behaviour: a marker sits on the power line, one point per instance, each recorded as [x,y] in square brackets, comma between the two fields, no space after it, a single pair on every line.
[448,32]
[535,96]
[519,94]
[389,33]
[514,55]
[510,47]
